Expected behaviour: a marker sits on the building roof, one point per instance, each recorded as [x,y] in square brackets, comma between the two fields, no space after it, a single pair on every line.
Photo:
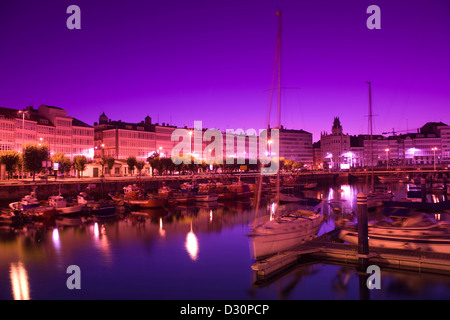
[52,107]
[79,123]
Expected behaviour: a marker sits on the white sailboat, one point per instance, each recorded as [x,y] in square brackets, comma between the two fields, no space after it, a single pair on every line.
[412,231]
[288,229]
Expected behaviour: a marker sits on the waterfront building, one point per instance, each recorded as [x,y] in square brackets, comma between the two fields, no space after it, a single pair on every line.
[317,156]
[121,140]
[429,146]
[335,147]
[296,145]
[47,124]
[444,131]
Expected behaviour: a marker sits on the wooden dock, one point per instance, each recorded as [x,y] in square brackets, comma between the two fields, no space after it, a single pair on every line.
[325,249]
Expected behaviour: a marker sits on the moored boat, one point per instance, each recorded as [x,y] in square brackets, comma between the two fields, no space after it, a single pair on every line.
[63,207]
[27,202]
[183,197]
[285,232]
[101,209]
[206,197]
[411,231]
[151,202]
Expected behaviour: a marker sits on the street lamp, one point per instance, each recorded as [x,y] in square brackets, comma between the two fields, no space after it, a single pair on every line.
[434,156]
[387,158]
[23,129]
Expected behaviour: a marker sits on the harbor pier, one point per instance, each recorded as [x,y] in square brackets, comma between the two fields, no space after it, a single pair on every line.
[326,248]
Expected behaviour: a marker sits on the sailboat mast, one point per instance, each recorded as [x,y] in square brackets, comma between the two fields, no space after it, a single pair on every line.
[279,97]
[371,132]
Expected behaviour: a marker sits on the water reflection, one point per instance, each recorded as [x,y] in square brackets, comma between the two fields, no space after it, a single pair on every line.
[162,232]
[192,245]
[101,241]
[136,241]
[19,281]
[56,239]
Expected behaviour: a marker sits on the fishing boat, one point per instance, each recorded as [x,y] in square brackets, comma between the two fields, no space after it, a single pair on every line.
[63,207]
[206,197]
[27,202]
[207,192]
[415,230]
[165,192]
[101,209]
[149,202]
[31,207]
[240,189]
[183,197]
[290,227]
[84,199]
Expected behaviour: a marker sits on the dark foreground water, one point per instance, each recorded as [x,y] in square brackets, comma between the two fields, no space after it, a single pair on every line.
[184,253]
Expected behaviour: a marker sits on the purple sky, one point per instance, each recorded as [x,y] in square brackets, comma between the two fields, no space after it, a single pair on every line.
[182,61]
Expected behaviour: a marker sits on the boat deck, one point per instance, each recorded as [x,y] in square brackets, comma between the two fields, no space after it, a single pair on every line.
[325,248]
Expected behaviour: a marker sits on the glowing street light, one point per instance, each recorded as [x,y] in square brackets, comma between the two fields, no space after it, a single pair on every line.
[434,156]
[387,158]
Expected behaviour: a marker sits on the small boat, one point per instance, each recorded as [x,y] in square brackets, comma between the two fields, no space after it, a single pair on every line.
[61,205]
[165,192]
[102,209]
[183,197]
[415,230]
[84,199]
[27,202]
[242,190]
[151,202]
[41,212]
[206,197]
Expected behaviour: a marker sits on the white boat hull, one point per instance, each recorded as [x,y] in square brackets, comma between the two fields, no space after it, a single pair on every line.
[433,244]
[276,237]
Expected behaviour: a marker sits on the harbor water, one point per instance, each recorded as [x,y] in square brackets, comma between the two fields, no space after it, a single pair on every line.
[194,252]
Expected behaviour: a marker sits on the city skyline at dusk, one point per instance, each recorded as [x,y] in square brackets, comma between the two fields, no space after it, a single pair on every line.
[212,62]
